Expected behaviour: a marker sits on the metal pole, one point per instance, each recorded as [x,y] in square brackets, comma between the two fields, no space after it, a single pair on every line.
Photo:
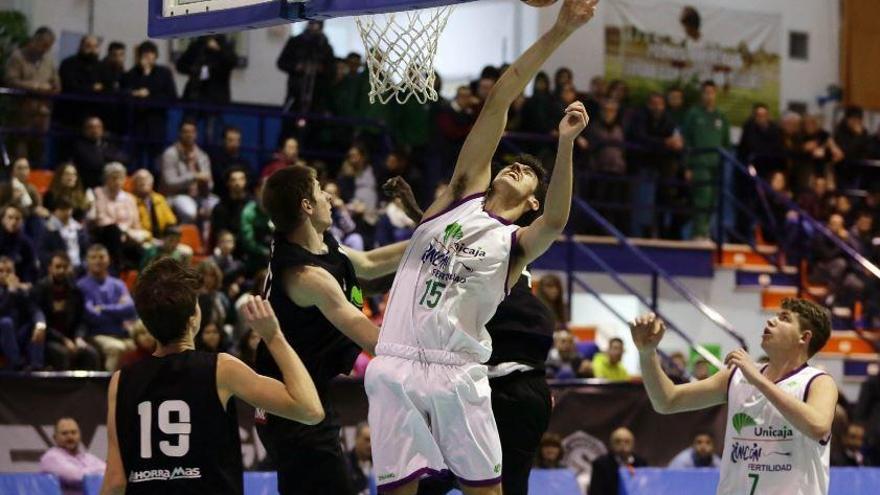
[569,262]
[719,214]
[654,292]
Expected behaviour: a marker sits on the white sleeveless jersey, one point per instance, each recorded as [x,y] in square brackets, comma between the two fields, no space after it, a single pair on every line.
[763,453]
[452,278]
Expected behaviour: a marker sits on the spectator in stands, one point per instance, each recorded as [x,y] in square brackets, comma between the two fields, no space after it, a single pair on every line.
[359,189]
[32,68]
[605,479]
[598,92]
[540,111]
[618,91]
[851,135]
[255,233]
[862,233]
[550,293]
[116,219]
[66,184]
[214,304]
[287,156]
[550,452]
[211,339]
[154,212]
[867,412]
[817,200]
[780,216]
[80,75]
[30,201]
[821,147]
[676,368]
[247,347]
[111,70]
[562,78]
[108,307]
[152,82]
[229,157]
[482,86]
[874,148]
[92,152]
[61,302]
[69,460]
[705,127]
[308,61]
[656,162]
[607,160]
[231,266]
[608,364]
[760,145]
[675,105]
[144,345]
[832,265]
[22,325]
[17,246]
[65,234]
[360,461]
[344,228]
[701,369]
[186,176]
[853,442]
[452,125]
[208,62]
[700,454]
[169,246]
[564,360]
[227,214]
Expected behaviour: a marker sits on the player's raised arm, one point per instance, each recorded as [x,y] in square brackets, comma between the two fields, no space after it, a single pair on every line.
[375,263]
[473,168]
[666,397]
[295,399]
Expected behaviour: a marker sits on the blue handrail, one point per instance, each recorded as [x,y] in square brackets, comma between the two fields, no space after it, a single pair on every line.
[677,286]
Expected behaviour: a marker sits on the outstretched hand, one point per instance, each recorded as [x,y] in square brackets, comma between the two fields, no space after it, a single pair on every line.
[399,189]
[741,359]
[576,13]
[647,332]
[258,315]
[574,121]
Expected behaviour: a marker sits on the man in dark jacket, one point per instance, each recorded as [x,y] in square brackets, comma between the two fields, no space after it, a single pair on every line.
[92,151]
[22,326]
[208,61]
[310,66]
[605,479]
[110,73]
[79,75]
[62,304]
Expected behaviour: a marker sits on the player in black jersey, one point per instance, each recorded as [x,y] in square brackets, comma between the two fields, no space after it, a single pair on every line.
[172,428]
[522,335]
[314,287]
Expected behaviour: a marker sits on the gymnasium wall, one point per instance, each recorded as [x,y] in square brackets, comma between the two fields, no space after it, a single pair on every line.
[484,32]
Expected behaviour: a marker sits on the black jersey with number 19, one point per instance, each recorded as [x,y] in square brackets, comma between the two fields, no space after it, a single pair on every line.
[175,436]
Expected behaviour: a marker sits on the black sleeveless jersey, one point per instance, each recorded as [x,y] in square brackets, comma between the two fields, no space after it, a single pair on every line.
[174,435]
[521,329]
[325,351]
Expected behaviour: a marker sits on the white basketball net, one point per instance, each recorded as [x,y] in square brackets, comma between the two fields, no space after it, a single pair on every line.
[400,49]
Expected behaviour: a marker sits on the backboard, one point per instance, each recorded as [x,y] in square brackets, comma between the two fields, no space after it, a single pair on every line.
[178,18]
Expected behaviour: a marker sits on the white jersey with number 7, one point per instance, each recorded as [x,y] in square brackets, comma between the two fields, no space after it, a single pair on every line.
[763,453]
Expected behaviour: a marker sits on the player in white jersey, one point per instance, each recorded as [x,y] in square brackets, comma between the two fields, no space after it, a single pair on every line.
[778,416]
[430,403]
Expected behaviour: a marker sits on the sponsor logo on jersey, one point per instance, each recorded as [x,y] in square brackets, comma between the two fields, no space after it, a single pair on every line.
[386,476]
[357,296]
[770,468]
[452,232]
[744,452]
[776,432]
[164,474]
[741,420]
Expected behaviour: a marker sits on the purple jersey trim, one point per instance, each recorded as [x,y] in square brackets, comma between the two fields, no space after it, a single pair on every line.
[510,261]
[729,381]
[807,388]
[503,221]
[489,482]
[790,373]
[455,204]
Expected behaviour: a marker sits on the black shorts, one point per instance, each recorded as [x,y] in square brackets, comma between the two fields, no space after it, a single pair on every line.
[309,459]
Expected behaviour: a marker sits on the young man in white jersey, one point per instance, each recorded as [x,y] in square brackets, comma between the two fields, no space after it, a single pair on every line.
[778,416]
[430,403]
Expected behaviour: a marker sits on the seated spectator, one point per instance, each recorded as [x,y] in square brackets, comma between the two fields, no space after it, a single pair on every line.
[229,157]
[550,452]
[700,454]
[605,479]
[31,201]
[92,152]
[22,325]
[817,200]
[65,234]
[154,213]
[61,302]
[116,218]
[211,339]
[701,370]
[169,246]
[360,460]
[777,201]
[17,246]
[551,294]
[247,347]
[69,460]
[108,307]
[564,361]
[607,365]
[229,264]
[344,228]
[851,455]
[227,214]
[831,265]
[186,176]
[359,189]
[214,304]
[287,156]
[255,233]
[66,184]
[144,345]
[851,135]
[676,368]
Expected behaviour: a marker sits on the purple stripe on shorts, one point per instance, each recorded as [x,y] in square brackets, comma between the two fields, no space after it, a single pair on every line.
[490,482]
[417,474]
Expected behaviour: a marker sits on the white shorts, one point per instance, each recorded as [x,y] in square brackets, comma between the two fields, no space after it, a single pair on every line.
[428,419]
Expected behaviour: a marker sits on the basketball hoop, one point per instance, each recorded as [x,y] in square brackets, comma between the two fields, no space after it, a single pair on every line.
[400,49]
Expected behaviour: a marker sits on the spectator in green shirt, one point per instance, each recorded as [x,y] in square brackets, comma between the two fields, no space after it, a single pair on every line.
[607,365]
[256,233]
[705,127]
